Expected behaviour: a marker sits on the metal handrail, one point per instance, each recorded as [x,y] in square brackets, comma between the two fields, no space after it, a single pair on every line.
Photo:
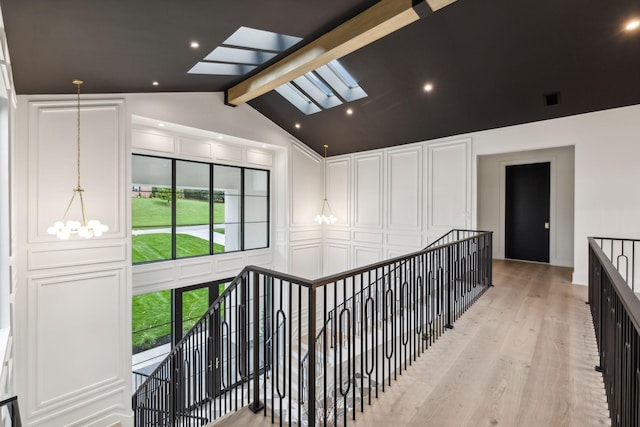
[218,365]
[615,310]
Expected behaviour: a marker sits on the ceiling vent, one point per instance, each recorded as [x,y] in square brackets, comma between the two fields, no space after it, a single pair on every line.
[552,98]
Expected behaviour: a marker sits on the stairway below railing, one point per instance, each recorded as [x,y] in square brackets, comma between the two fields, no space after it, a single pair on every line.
[315,351]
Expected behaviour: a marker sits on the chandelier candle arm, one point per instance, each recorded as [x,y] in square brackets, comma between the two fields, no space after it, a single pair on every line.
[64,228]
[326,215]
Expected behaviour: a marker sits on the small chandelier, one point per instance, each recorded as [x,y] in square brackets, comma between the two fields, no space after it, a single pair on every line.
[325,215]
[64,228]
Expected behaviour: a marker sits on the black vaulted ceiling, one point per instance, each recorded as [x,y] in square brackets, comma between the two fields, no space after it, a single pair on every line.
[491,61]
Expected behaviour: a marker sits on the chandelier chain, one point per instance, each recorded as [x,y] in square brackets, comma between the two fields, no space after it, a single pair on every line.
[78,83]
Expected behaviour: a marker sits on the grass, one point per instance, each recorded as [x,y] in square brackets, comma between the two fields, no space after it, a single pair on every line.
[151,318]
[151,315]
[149,213]
[157,246]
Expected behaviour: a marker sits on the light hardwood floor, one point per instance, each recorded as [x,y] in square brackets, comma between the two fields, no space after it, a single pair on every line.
[522,356]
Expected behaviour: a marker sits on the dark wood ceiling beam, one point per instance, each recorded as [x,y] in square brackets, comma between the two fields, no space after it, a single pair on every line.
[378,21]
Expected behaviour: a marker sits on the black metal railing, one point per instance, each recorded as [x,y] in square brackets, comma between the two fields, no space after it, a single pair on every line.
[314,352]
[10,412]
[616,318]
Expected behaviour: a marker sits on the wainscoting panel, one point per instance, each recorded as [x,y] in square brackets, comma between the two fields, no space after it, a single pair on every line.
[367,237]
[301,235]
[227,153]
[331,233]
[52,166]
[261,259]
[259,158]
[48,257]
[404,188]
[336,258]
[306,186]
[152,141]
[200,268]
[449,194]
[306,260]
[410,241]
[76,326]
[366,255]
[368,191]
[338,189]
[194,148]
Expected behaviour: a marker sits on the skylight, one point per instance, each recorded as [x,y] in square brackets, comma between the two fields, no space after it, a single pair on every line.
[241,52]
[327,87]
[247,48]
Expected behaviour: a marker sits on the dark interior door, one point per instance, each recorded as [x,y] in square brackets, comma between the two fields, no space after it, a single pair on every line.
[527,212]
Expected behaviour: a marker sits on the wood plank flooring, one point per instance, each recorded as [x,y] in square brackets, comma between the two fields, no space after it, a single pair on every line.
[523,355]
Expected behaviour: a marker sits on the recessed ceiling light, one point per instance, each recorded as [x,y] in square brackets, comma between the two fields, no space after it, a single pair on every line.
[155,83]
[428,87]
[632,25]
[161,125]
[297,125]
[219,136]
[194,44]
[349,111]
[264,145]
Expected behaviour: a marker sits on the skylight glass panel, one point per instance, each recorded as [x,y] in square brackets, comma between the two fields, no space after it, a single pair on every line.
[311,89]
[216,68]
[239,56]
[339,86]
[340,71]
[297,98]
[318,82]
[261,40]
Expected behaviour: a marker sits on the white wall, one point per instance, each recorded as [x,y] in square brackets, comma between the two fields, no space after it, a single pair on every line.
[394,201]
[73,298]
[369,187]
[491,198]
[607,150]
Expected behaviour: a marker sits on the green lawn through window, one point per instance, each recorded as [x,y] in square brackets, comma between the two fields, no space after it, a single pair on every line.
[151,316]
[148,213]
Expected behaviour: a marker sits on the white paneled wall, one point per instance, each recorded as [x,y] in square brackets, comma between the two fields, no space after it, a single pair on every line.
[449,193]
[172,143]
[74,318]
[394,201]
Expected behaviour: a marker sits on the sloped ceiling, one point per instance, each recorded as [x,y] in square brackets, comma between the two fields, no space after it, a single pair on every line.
[491,61]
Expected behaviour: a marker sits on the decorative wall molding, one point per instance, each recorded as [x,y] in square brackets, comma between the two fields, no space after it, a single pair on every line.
[195,148]
[75,363]
[305,188]
[157,276]
[404,188]
[46,256]
[306,260]
[337,258]
[364,255]
[339,189]
[52,132]
[152,141]
[449,185]
[368,190]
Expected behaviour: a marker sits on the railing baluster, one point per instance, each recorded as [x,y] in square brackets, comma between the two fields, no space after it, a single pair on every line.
[615,310]
[396,308]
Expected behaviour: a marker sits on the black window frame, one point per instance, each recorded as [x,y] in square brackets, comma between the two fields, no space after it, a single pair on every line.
[212,225]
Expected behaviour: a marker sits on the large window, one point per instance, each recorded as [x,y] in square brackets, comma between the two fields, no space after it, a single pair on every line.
[184,209]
